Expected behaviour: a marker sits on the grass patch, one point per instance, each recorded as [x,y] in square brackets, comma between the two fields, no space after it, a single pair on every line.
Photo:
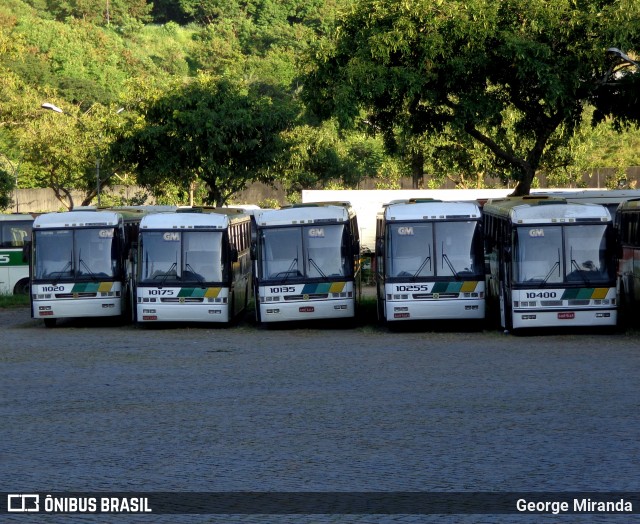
[8,301]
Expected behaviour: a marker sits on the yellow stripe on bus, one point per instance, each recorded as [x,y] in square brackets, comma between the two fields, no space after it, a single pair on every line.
[599,293]
[105,287]
[468,287]
[212,292]
[336,287]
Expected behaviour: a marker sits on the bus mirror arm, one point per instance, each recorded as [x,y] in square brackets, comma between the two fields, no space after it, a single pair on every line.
[26,251]
[379,248]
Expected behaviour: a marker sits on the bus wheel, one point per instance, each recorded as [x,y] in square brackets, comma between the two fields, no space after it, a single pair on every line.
[50,322]
[22,287]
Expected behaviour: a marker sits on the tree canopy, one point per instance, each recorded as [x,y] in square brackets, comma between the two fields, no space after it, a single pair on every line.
[513,75]
[209,129]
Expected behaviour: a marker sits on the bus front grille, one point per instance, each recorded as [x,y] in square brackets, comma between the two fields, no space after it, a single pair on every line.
[76,295]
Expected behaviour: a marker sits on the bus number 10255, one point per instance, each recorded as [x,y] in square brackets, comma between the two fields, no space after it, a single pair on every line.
[542,294]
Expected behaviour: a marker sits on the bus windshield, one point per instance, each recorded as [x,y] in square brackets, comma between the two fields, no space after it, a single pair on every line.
[75,254]
[182,256]
[559,254]
[314,251]
[434,249]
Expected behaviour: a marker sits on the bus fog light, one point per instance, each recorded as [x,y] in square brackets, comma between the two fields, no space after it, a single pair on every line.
[273,311]
[215,311]
[528,317]
[603,315]
[108,306]
[401,309]
[148,311]
[340,307]
[44,308]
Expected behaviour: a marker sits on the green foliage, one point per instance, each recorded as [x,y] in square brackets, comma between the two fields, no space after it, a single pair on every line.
[220,132]
[7,185]
[512,75]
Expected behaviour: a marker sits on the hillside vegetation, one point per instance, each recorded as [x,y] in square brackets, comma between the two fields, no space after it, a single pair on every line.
[203,98]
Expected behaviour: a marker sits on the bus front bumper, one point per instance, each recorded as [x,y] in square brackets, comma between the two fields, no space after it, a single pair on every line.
[183,312]
[569,318]
[310,310]
[406,310]
[77,308]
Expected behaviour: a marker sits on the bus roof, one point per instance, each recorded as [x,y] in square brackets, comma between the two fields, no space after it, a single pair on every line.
[303,215]
[530,210]
[431,210]
[185,220]
[594,196]
[77,219]
[15,217]
[630,205]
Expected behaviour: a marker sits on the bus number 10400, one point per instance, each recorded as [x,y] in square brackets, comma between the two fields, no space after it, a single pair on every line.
[542,294]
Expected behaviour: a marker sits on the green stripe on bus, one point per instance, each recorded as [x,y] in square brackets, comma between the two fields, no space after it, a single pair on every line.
[11,258]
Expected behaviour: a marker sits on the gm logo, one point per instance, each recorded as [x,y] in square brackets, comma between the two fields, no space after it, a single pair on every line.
[23,503]
[535,233]
[405,231]
[171,237]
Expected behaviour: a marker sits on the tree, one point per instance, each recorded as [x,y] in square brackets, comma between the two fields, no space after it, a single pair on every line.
[513,75]
[7,185]
[214,130]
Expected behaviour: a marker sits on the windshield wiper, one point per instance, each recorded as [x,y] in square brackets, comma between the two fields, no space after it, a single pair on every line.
[189,268]
[167,273]
[317,268]
[289,270]
[65,270]
[84,264]
[553,268]
[424,263]
[445,258]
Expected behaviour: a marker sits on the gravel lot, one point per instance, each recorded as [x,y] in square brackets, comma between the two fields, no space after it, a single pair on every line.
[98,407]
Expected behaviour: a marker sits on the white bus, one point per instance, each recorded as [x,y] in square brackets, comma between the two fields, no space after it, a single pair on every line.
[307,262]
[15,232]
[551,263]
[80,264]
[429,261]
[193,266]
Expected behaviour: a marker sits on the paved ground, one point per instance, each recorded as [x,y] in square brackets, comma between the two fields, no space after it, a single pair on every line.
[117,408]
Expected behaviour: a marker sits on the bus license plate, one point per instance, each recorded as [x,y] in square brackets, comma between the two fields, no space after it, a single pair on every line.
[307,309]
[566,316]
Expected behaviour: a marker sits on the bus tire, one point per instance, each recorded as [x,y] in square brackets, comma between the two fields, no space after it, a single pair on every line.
[21,287]
[50,322]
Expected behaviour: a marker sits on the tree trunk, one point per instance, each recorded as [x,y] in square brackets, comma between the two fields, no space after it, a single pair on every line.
[417,169]
[523,187]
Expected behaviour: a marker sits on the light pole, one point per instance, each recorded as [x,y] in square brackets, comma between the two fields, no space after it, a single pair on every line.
[623,60]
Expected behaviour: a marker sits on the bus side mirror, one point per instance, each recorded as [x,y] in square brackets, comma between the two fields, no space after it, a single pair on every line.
[26,251]
[379,247]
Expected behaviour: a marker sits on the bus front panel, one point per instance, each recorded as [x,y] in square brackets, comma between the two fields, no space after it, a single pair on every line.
[308,301]
[435,300]
[183,304]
